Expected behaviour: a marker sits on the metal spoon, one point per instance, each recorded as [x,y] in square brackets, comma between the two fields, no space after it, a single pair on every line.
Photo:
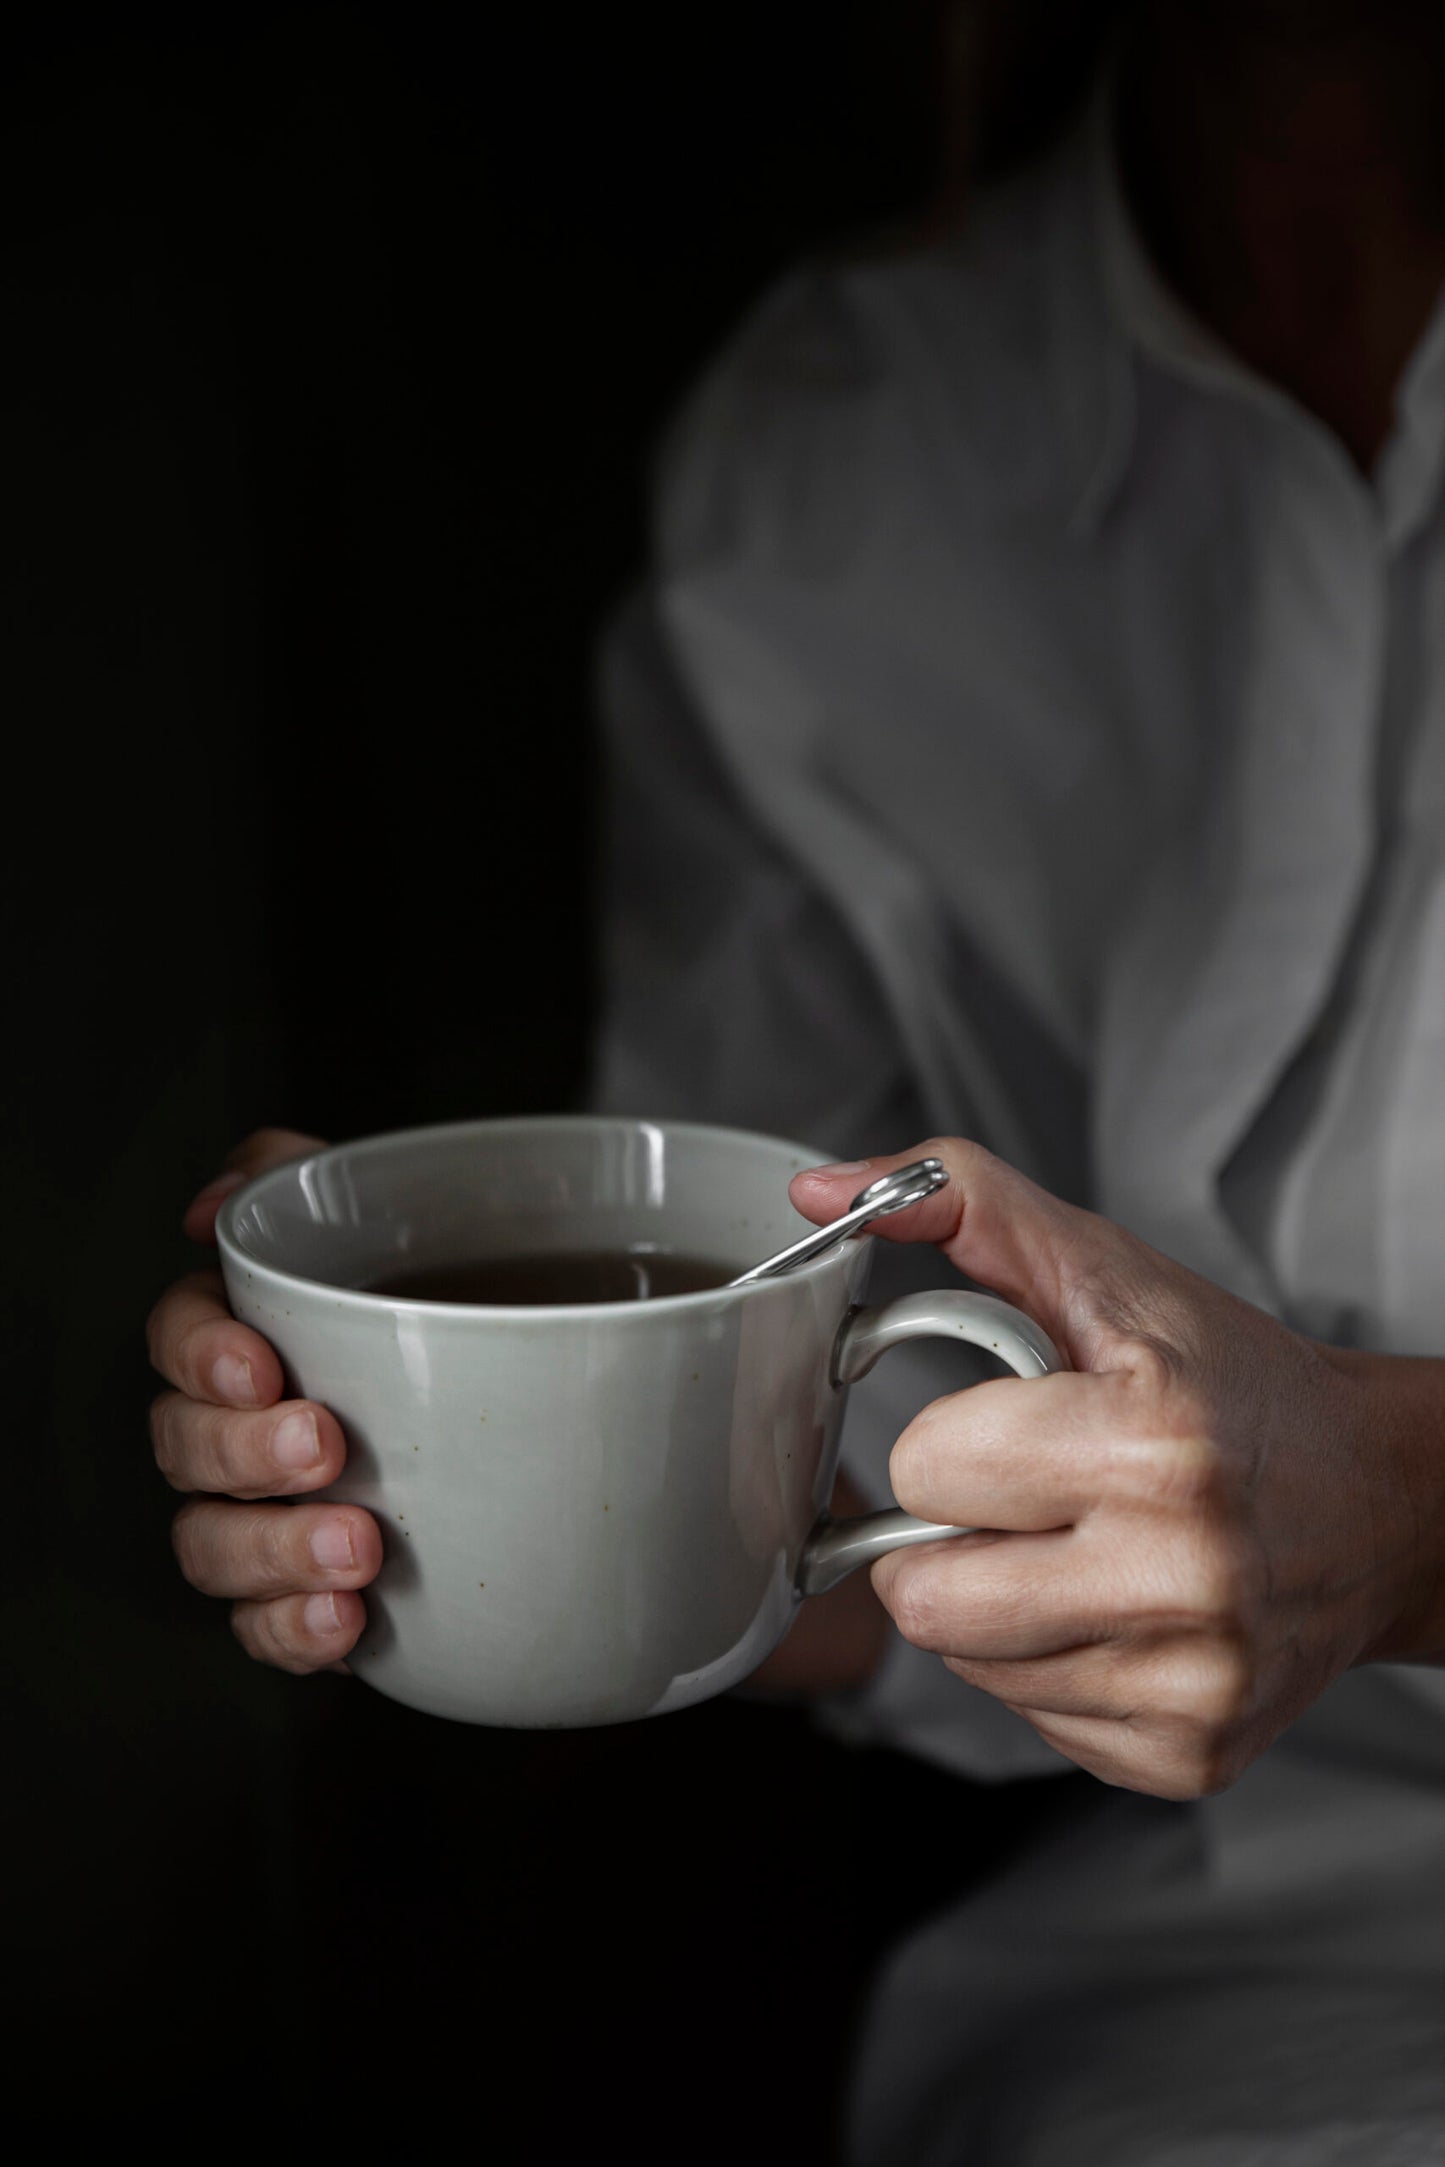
[891,1192]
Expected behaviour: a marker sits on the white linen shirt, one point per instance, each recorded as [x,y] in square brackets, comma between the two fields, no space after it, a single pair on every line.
[1033,728]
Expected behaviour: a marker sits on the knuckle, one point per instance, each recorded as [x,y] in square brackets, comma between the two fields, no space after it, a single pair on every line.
[1211,1690]
[275,1538]
[1223,1692]
[1177,1471]
[1189,1473]
[239,1462]
[986,1180]
[266,1632]
[1217,1593]
[1169,1761]
[255,1629]
[196,1447]
[964,1155]
[916,1600]
[1203,1724]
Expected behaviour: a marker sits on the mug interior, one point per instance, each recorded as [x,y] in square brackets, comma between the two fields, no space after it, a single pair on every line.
[432,1197]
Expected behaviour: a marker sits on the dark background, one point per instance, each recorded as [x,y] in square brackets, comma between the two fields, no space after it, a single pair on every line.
[335,340]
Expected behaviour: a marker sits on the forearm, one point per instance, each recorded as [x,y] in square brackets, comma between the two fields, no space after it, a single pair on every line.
[1400,1403]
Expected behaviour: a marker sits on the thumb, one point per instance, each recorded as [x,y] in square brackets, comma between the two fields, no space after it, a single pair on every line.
[991,1222]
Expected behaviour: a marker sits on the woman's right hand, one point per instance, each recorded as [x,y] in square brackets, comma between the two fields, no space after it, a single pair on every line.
[245,1457]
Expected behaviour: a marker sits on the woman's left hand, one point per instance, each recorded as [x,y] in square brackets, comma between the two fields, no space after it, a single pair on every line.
[1191,1531]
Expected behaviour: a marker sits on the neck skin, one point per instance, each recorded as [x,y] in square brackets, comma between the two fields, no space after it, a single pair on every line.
[1285,164]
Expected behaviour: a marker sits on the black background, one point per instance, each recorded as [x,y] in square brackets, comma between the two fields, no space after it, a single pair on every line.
[336,339]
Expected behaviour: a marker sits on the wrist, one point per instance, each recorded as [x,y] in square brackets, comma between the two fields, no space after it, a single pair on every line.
[1397,1412]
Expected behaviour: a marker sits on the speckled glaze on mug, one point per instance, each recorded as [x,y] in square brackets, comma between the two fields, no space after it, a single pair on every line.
[594,1512]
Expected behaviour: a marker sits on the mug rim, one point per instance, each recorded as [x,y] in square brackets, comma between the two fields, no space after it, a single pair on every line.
[232,1250]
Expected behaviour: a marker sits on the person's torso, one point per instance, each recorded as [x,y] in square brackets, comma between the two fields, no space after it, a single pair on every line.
[1107,700]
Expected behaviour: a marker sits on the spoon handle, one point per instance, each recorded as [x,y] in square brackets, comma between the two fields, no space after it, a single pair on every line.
[891,1192]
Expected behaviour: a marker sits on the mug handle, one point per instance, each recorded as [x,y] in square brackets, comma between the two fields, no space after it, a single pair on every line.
[835,1547]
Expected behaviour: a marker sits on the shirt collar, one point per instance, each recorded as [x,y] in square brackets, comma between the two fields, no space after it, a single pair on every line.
[1118,312]
[1136,317]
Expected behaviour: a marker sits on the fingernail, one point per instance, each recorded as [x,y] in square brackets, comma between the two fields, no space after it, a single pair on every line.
[322,1616]
[231,1380]
[841,1166]
[295,1441]
[331,1546]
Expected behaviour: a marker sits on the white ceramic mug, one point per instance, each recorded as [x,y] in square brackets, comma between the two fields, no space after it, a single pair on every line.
[592,1512]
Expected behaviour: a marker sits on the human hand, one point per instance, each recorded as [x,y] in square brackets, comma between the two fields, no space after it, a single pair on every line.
[1184,1537]
[226,1436]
